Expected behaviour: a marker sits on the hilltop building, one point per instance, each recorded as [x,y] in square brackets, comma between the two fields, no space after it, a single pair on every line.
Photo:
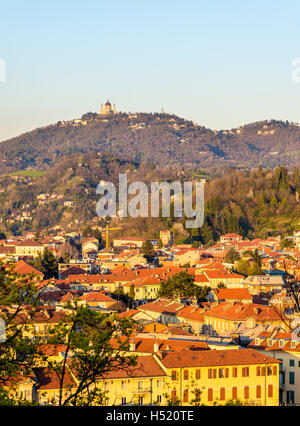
[107,109]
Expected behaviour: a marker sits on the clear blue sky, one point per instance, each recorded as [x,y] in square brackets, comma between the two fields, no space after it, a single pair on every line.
[221,63]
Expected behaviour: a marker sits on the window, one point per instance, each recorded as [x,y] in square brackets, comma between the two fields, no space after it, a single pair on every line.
[198,374]
[124,401]
[186,375]
[186,396]
[245,372]
[293,344]
[159,399]
[274,371]
[292,363]
[270,391]
[234,394]
[174,375]
[221,373]
[210,395]
[290,397]
[141,400]
[212,374]
[258,392]
[292,378]
[234,372]
[281,343]
[173,396]
[246,392]
[222,394]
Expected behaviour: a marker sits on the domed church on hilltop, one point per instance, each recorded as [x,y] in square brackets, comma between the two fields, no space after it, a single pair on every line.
[107,109]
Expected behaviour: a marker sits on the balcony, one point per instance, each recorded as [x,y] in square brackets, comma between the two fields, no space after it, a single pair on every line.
[282,386]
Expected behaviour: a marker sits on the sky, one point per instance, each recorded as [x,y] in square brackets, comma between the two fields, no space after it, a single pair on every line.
[222,63]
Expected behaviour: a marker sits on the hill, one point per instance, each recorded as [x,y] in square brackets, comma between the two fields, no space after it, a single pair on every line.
[254,203]
[154,138]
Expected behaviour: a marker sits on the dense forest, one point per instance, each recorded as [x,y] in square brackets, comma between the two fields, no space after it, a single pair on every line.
[154,138]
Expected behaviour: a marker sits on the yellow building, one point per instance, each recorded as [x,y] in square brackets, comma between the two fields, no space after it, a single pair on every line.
[188,377]
[219,376]
[47,390]
[286,349]
[146,288]
[230,279]
[22,388]
[143,384]
[29,248]
[226,317]
[40,323]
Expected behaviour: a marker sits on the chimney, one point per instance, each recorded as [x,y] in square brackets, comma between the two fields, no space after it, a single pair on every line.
[132,346]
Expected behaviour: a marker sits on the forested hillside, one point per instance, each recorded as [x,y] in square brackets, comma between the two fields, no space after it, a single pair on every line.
[260,202]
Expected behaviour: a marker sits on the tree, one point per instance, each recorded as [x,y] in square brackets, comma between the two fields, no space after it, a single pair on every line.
[160,244]
[120,295]
[242,267]
[89,354]
[148,251]
[182,285]
[18,353]
[47,264]
[245,268]
[232,256]
[90,232]
[131,293]
[287,243]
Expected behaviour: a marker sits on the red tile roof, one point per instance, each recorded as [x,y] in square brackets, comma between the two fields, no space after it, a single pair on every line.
[48,379]
[146,366]
[192,313]
[162,306]
[96,297]
[215,358]
[22,268]
[233,294]
[30,243]
[216,274]
[240,312]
